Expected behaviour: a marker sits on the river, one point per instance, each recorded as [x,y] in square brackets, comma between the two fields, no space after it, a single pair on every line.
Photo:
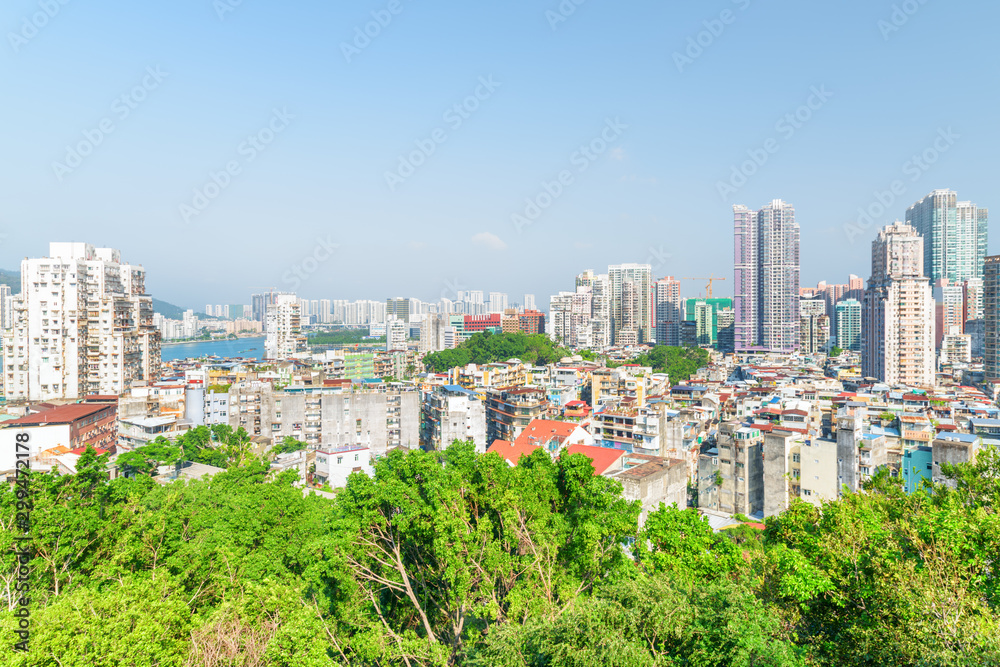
[249,348]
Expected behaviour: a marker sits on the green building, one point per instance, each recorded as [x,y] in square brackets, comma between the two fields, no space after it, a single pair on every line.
[359,365]
[707,332]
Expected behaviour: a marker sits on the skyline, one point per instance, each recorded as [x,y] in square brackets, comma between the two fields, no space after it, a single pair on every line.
[614,132]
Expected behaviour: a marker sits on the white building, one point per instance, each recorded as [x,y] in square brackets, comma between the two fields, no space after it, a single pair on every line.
[81,325]
[396,332]
[283,337]
[897,323]
[632,301]
[335,464]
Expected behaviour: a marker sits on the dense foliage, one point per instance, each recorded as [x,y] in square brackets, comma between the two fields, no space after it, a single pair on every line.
[487,347]
[219,446]
[344,337]
[457,558]
[679,363]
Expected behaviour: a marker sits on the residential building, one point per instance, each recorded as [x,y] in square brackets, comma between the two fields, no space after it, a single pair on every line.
[283,337]
[71,427]
[396,333]
[949,309]
[82,325]
[991,317]
[631,301]
[510,410]
[452,413]
[849,325]
[897,328]
[398,308]
[668,311]
[815,334]
[767,278]
[955,235]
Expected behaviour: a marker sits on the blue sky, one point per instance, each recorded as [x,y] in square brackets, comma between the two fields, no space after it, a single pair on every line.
[339,118]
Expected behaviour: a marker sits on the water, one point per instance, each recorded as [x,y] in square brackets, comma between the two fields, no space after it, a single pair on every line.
[248,348]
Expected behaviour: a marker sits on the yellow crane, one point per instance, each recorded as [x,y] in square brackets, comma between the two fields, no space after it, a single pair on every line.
[710,280]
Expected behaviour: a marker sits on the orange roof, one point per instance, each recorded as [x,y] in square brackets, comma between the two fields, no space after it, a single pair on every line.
[544,430]
[601,458]
[63,414]
[512,451]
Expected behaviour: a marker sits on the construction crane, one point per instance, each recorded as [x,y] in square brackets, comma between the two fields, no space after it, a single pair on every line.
[710,280]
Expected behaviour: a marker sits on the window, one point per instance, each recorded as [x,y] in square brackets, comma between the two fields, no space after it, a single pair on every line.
[796,458]
[806,492]
[340,459]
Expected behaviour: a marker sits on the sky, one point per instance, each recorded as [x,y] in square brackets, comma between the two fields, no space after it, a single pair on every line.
[386,148]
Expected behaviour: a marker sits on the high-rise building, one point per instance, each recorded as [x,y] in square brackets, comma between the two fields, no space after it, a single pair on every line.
[283,336]
[600,304]
[991,315]
[955,235]
[529,302]
[570,315]
[767,278]
[725,321]
[972,299]
[949,309]
[814,333]
[6,302]
[631,301]
[325,311]
[849,325]
[398,308]
[396,332]
[82,325]
[668,311]
[897,323]
[498,302]
[809,307]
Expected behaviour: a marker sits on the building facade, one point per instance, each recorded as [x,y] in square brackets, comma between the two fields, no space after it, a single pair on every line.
[766,262]
[82,325]
[898,312]
[955,235]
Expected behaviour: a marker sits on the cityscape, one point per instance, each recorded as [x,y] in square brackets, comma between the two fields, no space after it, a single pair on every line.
[567,336]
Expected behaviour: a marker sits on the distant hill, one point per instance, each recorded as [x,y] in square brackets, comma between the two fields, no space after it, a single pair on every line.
[168,310]
[12,278]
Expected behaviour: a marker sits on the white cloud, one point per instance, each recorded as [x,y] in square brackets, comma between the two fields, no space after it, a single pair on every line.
[618,153]
[491,241]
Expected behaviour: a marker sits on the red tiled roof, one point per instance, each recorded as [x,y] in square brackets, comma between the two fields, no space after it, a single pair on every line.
[512,451]
[63,414]
[601,458]
[543,430]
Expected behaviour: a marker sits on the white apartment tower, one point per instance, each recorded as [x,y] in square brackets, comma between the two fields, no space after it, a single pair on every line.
[897,322]
[82,325]
[283,336]
[632,301]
